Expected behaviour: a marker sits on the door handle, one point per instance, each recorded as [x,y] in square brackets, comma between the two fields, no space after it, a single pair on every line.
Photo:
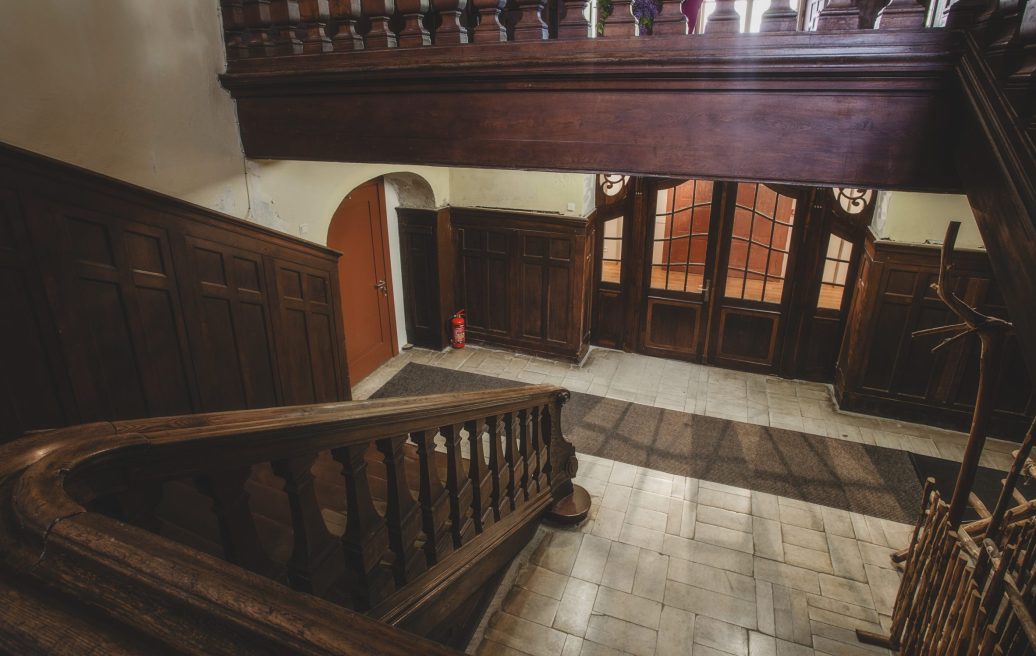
[382,286]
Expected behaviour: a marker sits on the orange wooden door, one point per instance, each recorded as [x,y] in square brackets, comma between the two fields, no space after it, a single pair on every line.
[359,230]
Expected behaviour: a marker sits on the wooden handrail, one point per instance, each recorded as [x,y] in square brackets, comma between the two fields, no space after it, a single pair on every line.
[195,602]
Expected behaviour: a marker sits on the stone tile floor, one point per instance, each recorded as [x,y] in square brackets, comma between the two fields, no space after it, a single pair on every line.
[672,565]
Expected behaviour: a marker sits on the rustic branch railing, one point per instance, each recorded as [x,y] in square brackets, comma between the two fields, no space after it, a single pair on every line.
[428,486]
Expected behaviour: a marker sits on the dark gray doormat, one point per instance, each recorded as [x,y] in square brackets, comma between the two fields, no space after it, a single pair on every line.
[860,478]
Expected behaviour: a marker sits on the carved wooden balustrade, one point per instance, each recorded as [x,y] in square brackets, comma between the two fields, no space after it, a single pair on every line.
[401,509]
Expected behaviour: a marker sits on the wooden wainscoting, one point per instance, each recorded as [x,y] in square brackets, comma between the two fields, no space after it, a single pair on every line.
[883,370]
[426,255]
[120,303]
[524,279]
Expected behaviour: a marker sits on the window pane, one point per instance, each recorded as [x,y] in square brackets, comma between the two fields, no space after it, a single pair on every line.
[611,251]
[836,269]
[681,234]
[759,243]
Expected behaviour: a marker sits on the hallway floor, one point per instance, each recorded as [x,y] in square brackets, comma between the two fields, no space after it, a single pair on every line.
[673,565]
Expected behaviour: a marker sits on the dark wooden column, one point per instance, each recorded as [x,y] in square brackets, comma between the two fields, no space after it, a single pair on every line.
[258,23]
[452,30]
[286,18]
[621,22]
[345,14]
[671,19]
[572,25]
[434,500]
[459,487]
[237,528]
[234,28]
[379,13]
[414,33]
[402,515]
[530,25]
[315,15]
[489,26]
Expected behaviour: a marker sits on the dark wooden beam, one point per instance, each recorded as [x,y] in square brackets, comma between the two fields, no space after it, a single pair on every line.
[865,108]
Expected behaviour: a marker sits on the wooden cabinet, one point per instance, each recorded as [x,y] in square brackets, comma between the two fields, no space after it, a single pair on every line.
[121,303]
[883,370]
[524,280]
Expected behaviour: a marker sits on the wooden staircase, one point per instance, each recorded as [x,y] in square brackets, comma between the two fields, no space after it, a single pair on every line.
[308,529]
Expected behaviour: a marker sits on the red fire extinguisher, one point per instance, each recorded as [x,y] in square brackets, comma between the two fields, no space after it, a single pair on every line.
[457,329]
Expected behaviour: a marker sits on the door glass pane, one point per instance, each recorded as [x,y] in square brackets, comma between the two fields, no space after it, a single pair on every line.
[759,243]
[681,236]
[836,267]
[611,251]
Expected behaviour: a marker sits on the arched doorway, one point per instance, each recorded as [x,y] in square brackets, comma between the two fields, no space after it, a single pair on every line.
[359,230]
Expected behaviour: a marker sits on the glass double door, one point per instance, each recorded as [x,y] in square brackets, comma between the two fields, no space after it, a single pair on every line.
[699,269]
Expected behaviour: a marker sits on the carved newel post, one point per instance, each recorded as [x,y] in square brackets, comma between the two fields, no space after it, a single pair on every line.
[345,13]
[379,13]
[902,15]
[530,25]
[414,33]
[573,25]
[315,14]
[839,15]
[489,26]
[780,17]
[452,30]
[725,19]
[670,19]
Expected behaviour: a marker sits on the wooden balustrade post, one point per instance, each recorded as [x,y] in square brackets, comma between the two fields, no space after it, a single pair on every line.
[571,502]
[434,500]
[530,25]
[525,455]
[725,19]
[237,529]
[452,30]
[379,13]
[259,23]
[839,15]
[462,528]
[402,513]
[670,19]
[780,17]
[902,15]
[621,21]
[315,15]
[478,472]
[286,19]
[572,23]
[316,565]
[515,461]
[234,29]
[499,472]
[414,33]
[365,540]
[489,28]
[345,14]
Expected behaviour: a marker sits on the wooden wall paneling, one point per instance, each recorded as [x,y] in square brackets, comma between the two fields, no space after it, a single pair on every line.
[310,353]
[447,247]
[230,326]
[419,249]
[34,390]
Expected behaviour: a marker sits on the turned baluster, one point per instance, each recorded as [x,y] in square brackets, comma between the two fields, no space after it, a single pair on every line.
[478,472]
[839,15]
[902,15]
[452,30]
[515,460]
[316,565]
[315,14]
[499,470]
[414,33]
[539,447]
[724,20]
[234,29]
[237,528]
[489,26]
[780,17]
[259,23]
[346,13]
[379,13]
[525,455]
[462,528]
[621,21]
[402,515]
[572,22]
[530,25]
[435,501]
[365,541]
[670,19]
[286,18]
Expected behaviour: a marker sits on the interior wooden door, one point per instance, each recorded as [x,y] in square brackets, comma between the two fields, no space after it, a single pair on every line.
[359,230]
[755,260]
[680,253]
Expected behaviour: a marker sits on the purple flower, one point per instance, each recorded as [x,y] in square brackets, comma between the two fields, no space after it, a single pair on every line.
[645,11]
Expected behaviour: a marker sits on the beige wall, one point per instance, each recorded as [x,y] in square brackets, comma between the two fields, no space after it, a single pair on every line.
[917,218]
[127,88]
[539,191]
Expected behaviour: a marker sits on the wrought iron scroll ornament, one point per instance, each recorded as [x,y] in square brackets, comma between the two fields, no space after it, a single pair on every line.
[853,201]
[612,184]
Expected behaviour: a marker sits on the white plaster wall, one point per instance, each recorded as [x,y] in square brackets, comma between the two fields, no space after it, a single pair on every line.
[538,191]
[922,218]
[127,88]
